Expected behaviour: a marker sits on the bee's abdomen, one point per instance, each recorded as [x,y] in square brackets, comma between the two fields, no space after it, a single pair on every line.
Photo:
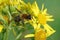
[17,19]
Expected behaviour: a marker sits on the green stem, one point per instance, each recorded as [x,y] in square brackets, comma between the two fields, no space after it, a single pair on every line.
[18,36]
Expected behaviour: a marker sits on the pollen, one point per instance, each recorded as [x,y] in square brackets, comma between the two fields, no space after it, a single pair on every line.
[40,35]
[42,19]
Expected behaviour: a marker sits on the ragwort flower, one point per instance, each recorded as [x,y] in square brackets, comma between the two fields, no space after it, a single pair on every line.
[42,17]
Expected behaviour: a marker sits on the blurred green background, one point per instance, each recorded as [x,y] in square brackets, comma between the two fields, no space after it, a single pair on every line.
[53,7]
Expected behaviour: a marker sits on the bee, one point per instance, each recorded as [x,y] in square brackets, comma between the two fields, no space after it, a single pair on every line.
[22,16]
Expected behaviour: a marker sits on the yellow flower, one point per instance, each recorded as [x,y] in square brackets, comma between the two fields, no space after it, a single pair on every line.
[40,35]
[1,27]
[42,17]
[14,2]
[10,2]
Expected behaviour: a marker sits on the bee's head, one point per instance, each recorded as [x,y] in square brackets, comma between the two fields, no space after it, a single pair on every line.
[26,16]
[29,17]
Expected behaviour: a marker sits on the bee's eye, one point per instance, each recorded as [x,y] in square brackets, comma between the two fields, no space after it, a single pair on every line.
[17,19]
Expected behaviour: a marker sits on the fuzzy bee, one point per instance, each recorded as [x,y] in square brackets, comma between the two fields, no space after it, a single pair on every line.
[22,17]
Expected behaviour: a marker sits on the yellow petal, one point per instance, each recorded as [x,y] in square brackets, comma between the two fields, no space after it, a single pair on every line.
[49,16]
[33,23]
[50,19]
[29,35]
[35,9]
[1,27]
[49,30]
[42,7]
[23,3]
[44,11]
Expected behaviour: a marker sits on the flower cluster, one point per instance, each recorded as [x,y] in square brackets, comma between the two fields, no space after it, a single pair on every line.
[15,14]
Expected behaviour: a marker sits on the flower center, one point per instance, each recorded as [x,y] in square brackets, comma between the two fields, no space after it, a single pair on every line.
[42,18]
[41,35]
